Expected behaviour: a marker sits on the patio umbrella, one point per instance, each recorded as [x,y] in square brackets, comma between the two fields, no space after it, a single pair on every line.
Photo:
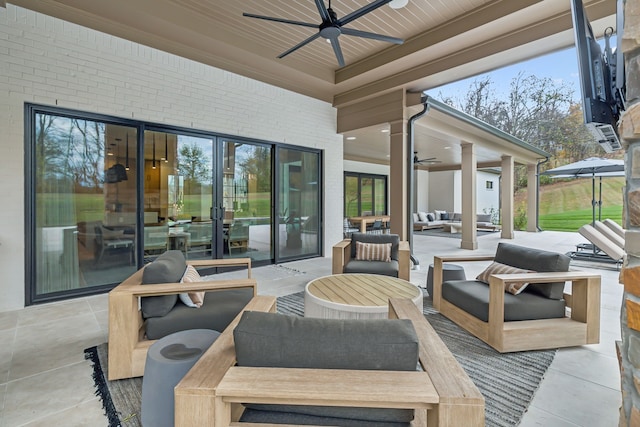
[592,167]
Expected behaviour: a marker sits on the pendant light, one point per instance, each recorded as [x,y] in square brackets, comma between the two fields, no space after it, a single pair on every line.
[166,149]
[126,156]
[153,165]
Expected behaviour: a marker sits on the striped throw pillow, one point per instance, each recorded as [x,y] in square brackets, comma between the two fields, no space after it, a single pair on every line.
[191,299]
[498,268]
[373,251]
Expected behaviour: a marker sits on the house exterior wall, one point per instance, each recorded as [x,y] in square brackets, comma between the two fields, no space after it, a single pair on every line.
[442,191]
[47,61]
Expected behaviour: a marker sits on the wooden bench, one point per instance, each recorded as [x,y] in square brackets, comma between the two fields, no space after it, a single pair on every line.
[442,395]
[128,344]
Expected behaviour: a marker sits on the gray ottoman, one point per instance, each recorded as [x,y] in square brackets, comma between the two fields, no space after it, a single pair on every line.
[168,360]
[449,272]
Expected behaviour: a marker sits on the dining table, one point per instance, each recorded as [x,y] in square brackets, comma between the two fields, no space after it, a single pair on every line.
[369,219]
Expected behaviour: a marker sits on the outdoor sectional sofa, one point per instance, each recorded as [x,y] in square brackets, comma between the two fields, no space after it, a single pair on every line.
[428,220]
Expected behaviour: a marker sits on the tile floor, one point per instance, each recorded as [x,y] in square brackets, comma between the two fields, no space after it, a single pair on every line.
[45,381]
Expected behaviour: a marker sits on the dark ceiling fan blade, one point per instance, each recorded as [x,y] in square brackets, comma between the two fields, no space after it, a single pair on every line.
[284,21]
[374,36]
[337,50]
[299,45]
[322,9]
[362,11]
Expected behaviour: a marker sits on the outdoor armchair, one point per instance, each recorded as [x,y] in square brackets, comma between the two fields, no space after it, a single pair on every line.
[129,339]
[534,319]
[398,265]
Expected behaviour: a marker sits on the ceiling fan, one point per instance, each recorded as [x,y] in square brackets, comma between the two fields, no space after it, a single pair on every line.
[331,27]
[428,160]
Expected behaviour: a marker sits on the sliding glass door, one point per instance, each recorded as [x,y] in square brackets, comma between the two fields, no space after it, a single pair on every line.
[107,195]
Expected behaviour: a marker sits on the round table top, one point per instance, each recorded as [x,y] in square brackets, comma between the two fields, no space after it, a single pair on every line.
[364,290]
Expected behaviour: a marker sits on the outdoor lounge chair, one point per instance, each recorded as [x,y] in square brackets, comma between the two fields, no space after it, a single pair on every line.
[609,233]
[601,248]
[615,227]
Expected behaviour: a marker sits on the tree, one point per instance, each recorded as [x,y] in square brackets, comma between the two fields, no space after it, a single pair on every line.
[537,110]
[193,166]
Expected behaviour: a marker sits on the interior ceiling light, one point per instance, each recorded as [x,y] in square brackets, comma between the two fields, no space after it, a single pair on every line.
[398,4]
[351,138]
[385,131]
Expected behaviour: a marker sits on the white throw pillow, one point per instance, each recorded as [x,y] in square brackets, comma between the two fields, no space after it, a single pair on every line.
[439,214]
[416,218]
[423,216]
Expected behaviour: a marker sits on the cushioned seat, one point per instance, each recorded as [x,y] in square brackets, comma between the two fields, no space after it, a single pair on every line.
[217,311]
[373,267]
[473,297]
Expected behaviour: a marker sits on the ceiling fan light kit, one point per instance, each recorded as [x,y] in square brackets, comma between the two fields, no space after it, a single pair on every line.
[398,4]
[331,27]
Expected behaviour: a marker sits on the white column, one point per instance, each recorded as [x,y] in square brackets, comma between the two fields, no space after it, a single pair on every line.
[469,214]
[507,197]
[532,198]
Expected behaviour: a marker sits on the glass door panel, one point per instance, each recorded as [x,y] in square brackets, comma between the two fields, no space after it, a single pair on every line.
[85,204]
[299,225]
[178,197]
[380,196]
[366,196]
[246,200]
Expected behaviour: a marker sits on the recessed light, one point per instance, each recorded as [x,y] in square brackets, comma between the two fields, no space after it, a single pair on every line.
[447,147]
[385,131]
[351,138]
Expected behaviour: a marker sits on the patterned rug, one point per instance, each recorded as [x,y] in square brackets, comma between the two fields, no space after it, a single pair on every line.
[507,381]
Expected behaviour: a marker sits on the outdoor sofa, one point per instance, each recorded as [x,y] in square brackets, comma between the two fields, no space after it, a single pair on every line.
[305,378]
[437,219]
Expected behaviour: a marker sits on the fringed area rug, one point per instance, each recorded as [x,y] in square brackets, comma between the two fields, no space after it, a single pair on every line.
[507,381]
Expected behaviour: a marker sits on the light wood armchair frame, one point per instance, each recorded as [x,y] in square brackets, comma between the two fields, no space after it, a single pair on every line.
[128,345]
[443,395]
[342,254]
[581,326]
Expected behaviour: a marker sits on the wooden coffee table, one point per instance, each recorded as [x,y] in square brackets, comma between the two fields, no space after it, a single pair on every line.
[356,296]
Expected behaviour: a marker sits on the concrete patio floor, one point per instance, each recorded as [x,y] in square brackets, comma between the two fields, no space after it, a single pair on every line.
[45,381]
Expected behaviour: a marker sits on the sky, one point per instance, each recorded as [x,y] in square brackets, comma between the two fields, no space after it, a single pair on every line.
[561,66]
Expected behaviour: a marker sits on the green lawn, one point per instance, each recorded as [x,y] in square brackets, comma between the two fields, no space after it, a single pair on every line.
[566,205]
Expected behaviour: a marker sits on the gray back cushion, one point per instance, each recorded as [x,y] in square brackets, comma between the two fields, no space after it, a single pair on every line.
[394,239]
[167,268]
[484,218]
[277,340]
[536,260]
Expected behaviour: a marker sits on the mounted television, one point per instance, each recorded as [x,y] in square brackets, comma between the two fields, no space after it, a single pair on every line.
[601,78]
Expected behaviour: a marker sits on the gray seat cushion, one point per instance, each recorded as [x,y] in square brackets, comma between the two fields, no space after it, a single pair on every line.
[217,311]
[472,296]
[276,340]
[535,260]
[167,268]
[372,267]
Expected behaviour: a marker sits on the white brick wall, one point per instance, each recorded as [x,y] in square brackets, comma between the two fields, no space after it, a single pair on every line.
[47,61]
